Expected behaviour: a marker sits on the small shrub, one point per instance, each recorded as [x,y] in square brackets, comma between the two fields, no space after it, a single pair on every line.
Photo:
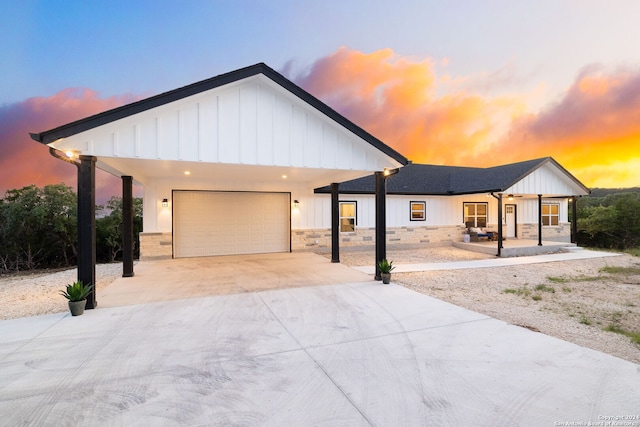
[385,266]
[585,320]
[536,297]
[556,279]
[612,327]
[621,270]
[76,291]
[633,251]
[545,288]
[510,291]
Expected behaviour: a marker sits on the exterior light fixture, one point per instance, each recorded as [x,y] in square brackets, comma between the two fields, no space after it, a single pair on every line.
[296,204]
[187,172]
[510,196]
[389,172]
[284,176]
[72,154]
[165,203]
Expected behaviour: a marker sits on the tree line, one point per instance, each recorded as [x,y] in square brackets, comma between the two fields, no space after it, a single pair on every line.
[610,218]
[38,228]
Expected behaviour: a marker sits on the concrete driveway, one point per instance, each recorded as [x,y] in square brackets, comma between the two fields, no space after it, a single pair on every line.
[355,354]
[181,278]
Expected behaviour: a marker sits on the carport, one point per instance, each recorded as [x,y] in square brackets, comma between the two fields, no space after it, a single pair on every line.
[237,155]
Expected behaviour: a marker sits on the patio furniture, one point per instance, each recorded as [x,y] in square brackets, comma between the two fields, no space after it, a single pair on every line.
[475,234]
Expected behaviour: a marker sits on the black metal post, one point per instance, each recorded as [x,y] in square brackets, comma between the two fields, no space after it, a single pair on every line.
[381,222]
[574,220]
[87,225]
[539,219]
[127,226]
[499,224]
[335,223]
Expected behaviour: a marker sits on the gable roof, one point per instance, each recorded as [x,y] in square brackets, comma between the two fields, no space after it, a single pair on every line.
[118,113]
[434,180]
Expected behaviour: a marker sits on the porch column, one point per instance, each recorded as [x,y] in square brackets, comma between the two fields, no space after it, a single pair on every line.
[87,225]
[539,219]
[335,223]
[499,224]
[127,226]
[381,220]
[574,220]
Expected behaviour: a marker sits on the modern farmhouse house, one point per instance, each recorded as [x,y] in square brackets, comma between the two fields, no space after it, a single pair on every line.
[248,162]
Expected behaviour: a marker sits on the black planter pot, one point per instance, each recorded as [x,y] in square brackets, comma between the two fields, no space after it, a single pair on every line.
[77,307]
[386,278]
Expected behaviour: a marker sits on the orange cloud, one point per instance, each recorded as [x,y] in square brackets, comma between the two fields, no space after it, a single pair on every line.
[24,161]
[394,98]
[594,130]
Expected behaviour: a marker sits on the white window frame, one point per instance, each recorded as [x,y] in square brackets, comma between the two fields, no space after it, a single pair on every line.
[344,218]
[475,215]
[422,211]
[549,215]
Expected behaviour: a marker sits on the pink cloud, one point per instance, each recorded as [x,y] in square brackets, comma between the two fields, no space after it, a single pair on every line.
[25,161]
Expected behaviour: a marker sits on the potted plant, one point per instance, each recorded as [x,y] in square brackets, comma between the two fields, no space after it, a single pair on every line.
[77,293]
[386,267]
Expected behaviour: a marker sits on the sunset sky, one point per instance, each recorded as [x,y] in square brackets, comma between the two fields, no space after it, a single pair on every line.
[470,83]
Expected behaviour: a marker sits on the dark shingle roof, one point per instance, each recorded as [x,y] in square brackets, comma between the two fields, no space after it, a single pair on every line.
[448,180]
[109,116]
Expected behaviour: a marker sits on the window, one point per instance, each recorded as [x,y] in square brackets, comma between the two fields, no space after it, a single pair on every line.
[475,214]
[418,211]
[550,215]
[347,217]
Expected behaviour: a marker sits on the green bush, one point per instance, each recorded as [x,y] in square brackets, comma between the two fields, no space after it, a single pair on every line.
[76,291]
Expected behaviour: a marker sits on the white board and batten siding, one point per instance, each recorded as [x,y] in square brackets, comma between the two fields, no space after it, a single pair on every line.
[546,180]
[249,122]
[207,223]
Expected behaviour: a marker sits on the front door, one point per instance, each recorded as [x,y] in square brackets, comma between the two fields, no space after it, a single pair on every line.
[510,220]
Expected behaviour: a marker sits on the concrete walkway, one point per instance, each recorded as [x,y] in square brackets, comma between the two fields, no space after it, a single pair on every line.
[492,262]
[360,354]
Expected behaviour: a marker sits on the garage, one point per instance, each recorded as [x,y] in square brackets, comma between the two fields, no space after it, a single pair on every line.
[208,223]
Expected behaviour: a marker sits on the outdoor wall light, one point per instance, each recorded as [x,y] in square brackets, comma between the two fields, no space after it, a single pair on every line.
[165,203]
[389,172]
[510,196]
[72,154]
[296,204]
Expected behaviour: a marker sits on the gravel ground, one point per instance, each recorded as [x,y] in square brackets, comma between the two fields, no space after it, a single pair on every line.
[570,300]
[34,294]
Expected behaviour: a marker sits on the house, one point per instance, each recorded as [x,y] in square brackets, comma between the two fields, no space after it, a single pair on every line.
[435,205]
[247,162]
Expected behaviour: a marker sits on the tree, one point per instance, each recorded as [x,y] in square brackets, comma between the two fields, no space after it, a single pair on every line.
[24,216]
[109,228]
[61,209]
[611,221]
[38,228]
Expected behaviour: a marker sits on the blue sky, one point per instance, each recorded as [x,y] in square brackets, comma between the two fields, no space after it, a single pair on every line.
[146,47]
[473,80]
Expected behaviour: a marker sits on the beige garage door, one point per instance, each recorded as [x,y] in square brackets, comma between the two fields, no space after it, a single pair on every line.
[209,223]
